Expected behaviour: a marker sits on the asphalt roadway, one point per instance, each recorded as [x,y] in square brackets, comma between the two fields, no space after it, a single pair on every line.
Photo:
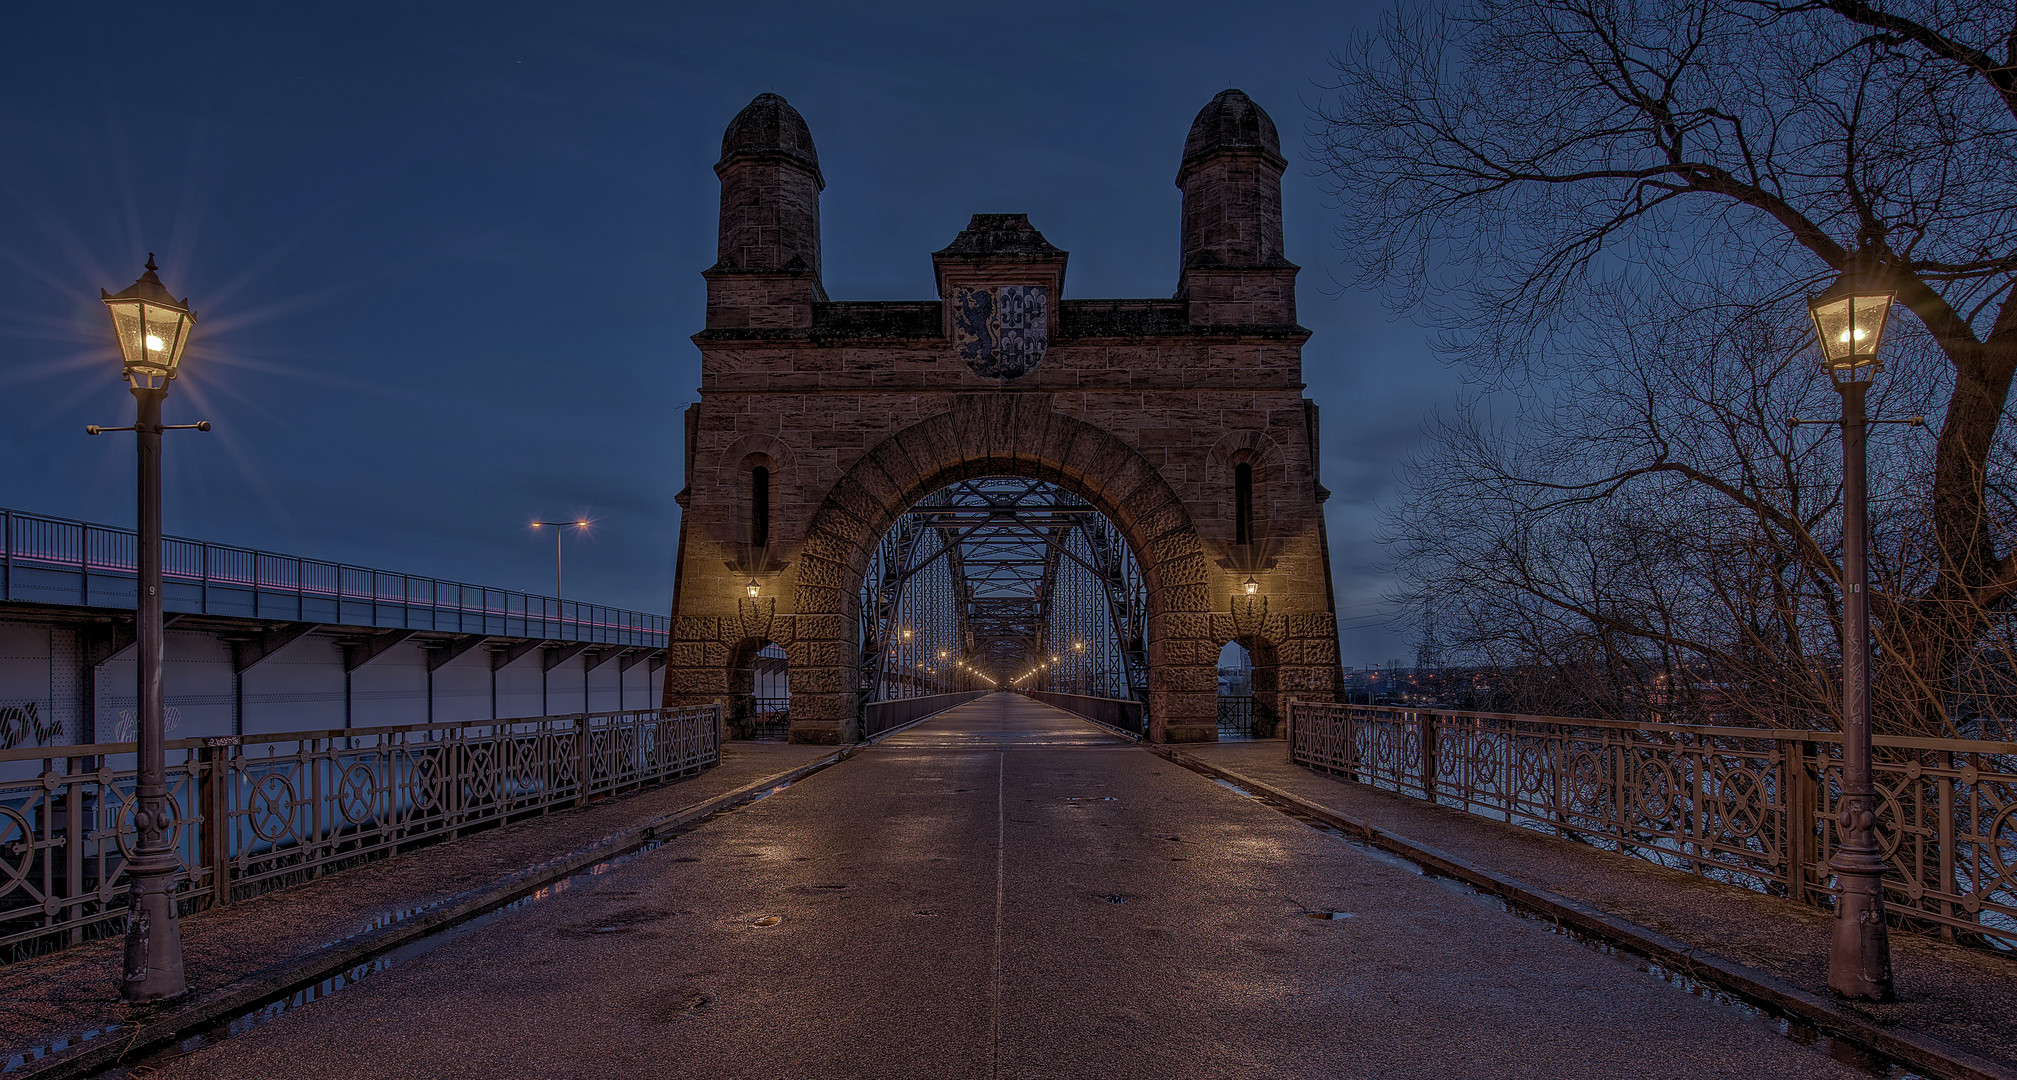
[1007,891]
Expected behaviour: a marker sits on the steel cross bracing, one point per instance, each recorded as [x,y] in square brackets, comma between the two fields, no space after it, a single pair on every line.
[990,579]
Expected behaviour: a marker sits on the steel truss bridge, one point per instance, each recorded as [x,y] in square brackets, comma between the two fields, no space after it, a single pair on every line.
[1003,581]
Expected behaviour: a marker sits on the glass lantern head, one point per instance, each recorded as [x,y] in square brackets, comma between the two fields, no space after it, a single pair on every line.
[1849,319]
[152,328]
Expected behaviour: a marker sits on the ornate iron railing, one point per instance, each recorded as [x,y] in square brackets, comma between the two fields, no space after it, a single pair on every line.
[769,719]
[1236,716]
[58,561]
[1750,806]
[262,811]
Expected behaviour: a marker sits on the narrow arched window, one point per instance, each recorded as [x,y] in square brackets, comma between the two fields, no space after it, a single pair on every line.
[759,506]
[1243,503]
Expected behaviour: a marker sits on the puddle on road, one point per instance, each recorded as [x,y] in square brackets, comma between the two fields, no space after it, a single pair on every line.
[280,1005]
[37,1053]
[1799,1031]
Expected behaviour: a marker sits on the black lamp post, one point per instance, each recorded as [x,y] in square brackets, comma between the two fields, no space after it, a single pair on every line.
[1849,320]
[152,328]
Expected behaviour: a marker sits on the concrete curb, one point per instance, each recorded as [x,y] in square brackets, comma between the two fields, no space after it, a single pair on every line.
[179,1019]
[1920,1052]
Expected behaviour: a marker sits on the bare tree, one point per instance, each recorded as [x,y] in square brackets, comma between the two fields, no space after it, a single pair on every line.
[1614,210]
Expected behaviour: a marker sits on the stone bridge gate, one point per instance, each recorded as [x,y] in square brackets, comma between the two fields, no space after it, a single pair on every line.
[1181,419]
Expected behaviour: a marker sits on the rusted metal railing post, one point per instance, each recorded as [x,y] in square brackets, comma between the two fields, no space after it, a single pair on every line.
[1797,789]
[1431,734]
[73,845]
[205,818]
[581,760]
[1946,792]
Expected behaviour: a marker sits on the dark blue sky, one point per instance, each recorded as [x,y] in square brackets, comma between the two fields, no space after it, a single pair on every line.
[447,257]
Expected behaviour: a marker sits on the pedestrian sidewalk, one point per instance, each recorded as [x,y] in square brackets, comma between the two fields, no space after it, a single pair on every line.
[59,1008]
[1947,994]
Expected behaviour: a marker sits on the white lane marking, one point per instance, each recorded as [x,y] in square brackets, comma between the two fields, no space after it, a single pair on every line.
[1000,890]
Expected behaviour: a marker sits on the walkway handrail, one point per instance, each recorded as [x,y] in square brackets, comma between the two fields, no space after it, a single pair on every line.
[1749,806]
[1126,714]
[880,716]
[38,541]
[257,812]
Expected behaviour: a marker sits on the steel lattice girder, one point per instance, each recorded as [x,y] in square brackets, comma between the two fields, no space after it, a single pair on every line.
[1002,543]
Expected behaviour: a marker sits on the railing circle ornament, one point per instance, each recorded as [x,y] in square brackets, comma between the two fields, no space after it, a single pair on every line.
[1530,767]
[2002,845]
[17,848]
[357,793]
[423,780]
[1585,790]
[126,835]
[270,807]
[1740,808]
[1652,791]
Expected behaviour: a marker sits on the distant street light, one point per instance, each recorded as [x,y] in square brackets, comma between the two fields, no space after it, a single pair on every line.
[1849,321]
[579,527]
[152,328]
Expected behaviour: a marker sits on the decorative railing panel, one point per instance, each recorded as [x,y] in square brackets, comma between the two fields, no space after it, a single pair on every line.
[1236,716]
[268,810]
[1754,807]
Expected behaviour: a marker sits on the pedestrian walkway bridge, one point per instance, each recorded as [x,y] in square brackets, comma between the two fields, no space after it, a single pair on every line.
[1007,890]
[260,642]
[55,561]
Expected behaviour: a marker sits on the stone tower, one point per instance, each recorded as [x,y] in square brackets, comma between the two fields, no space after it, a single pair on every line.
[1233,271]
[767,273]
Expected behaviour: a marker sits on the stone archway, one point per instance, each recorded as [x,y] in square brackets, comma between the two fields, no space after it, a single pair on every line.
[995,435]
[1180,418]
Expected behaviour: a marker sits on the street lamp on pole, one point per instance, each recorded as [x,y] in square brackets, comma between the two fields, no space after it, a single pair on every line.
[152,329]
[1849,321]
[579,526]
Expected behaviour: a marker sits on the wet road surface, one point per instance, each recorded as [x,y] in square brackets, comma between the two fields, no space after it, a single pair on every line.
[1007,891]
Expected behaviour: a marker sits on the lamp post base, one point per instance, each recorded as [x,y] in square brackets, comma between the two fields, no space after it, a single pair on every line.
[153,941]
[1859,958]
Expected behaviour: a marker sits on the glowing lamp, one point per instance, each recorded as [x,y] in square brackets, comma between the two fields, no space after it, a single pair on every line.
[753,589]
[1251,586]
[1849,319]
[152,327]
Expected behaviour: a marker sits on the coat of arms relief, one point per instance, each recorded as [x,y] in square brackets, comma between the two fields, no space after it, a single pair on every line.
[1001,330]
